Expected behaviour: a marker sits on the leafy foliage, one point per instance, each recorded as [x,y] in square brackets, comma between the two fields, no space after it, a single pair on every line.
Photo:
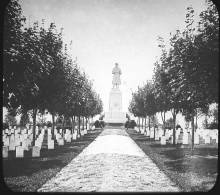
[186,75]
[39,74]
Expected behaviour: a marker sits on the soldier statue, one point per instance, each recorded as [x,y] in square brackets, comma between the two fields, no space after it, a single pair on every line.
[116,76]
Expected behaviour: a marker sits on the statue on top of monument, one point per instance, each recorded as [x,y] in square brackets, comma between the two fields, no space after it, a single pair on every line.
[116,76]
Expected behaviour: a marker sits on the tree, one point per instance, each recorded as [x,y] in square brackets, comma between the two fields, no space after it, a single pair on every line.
[150,107]
[188,91]
[160,79]
[10,120]
[13,23]
[137,104]
[39,74]
[24,119]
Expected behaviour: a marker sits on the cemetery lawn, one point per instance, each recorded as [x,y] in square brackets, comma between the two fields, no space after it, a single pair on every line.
[191,171]
[28,174]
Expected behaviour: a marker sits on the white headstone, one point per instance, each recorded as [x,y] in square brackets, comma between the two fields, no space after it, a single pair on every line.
[37,130]
[49,131]
[185,138]
[142,131]
[160,133]
[163,140]
[12,146]
[196,138]
[167,135]
[65,136]
[51,144]
[19,152]
[152,133]
[7,141]
[60,142]
[207,139]
[17,141]
[74,135]
[5,151]
[38,143]
[68,138]
[157,135]
[58,136]
[25,145]
[36,151]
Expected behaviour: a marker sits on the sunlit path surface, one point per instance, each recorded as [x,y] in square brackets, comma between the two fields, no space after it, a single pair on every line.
[113,162]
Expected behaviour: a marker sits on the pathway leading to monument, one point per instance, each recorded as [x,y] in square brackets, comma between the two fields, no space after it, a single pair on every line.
[112,162]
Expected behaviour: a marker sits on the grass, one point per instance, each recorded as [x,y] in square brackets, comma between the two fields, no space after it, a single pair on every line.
[191,170]
[28,174]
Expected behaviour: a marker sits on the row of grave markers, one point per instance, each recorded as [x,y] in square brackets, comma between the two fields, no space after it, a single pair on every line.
[201,136]
[20,140]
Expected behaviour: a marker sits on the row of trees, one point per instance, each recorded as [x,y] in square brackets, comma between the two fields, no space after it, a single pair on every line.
[39,75]
[186,75]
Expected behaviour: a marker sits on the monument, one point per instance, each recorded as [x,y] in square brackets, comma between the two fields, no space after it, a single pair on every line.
[115,114]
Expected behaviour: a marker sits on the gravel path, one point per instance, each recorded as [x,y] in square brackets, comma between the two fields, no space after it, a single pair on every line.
[112,162]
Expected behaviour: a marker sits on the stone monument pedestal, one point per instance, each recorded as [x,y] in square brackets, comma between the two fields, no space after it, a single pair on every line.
[115,117]
[115,114]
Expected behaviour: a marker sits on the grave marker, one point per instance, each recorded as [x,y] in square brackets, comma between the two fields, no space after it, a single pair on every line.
[51,144]
[19,152]
[163,140]
[12,146]
[61,142]
[5,151]
[207,139]
[74,135]
[185,139]
[151,133]
[36,151]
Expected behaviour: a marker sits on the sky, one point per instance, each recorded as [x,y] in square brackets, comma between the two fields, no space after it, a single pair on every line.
[104,32]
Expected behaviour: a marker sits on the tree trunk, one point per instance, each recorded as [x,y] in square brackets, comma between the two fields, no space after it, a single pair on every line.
[72,130]
[154,126]
[34,125]
[149,123]
[86,122]
[192,124]
[174,127]
[79,126]
[196,121]
[145,124]
[63,124]
[139,123]
[206,121]
[142,122]
[89,122]
[163,115]
[82,122]
[53,124]
[74,123]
